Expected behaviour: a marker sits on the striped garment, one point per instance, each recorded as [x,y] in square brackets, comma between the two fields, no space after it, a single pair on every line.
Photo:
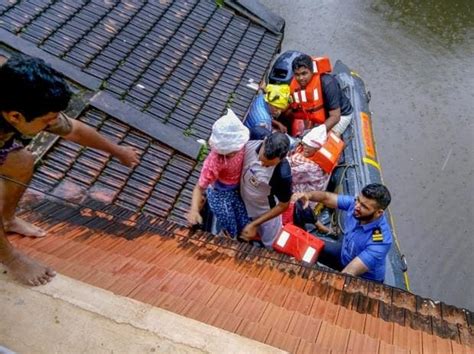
[259,114]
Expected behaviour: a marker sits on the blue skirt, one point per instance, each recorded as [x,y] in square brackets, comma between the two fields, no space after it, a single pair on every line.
[229,209]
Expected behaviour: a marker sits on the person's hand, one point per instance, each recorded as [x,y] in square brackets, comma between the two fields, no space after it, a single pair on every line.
[301,196]
[194,217]
[127,155]
[249,232]
[281,127]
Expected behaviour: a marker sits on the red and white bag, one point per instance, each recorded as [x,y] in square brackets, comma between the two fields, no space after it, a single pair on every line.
[298,243]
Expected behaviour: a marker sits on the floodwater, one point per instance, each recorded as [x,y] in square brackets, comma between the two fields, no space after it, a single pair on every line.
[417,59]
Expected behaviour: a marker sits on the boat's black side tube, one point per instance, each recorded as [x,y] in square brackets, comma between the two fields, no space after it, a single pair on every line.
[360,165]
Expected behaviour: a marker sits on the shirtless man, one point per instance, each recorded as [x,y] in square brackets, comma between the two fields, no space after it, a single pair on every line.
[32,96]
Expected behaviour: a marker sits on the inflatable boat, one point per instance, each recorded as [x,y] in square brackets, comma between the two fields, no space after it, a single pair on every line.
[358,164]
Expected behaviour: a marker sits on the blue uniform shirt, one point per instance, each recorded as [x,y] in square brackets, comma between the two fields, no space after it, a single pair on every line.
[370,242]
[259,114]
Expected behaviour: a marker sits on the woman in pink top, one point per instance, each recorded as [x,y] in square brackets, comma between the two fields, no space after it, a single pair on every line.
[220,176]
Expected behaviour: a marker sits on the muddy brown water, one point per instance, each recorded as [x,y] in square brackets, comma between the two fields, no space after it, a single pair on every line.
[417,59]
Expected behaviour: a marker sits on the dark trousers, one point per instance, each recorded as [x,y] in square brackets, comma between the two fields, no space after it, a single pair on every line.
[331,254]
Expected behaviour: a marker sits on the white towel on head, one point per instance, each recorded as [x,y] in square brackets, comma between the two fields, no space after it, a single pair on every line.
[229,134]
[316,137]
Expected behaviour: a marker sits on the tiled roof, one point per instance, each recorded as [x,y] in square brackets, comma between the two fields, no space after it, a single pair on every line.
[180,61]
[166,70]
[249,291]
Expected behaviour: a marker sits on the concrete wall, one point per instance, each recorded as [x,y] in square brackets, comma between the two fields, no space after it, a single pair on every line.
[67,316]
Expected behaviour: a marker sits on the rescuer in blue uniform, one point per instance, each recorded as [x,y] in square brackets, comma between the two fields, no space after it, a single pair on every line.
[367,235]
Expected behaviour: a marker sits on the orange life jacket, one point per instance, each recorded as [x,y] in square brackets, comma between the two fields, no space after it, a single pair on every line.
[308,103]
[328,156]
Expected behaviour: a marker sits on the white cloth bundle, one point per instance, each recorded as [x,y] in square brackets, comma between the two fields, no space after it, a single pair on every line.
[229,134]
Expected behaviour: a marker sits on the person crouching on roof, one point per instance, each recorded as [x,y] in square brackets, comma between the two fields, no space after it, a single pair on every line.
[267,107]
[307,175]
[33,97]
[266,186]
[220,176]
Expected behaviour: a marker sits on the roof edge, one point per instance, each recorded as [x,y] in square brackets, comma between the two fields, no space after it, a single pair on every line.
[72,309]
[163,133]
[70,71]
[363,296]
[257,12]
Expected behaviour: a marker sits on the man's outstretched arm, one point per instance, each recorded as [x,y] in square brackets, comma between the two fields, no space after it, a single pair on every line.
[87,136]
[326,198]
[333,119]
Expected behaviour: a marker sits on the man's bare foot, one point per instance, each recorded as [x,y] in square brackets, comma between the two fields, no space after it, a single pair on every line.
[29,271]
[24,228]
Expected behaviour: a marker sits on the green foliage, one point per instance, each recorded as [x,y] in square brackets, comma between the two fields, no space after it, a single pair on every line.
[187,132]
[230,100]
[203,153]
[220,3]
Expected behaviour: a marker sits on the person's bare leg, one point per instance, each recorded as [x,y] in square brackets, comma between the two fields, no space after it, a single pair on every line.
[322,228]
[13,192]
[22,267]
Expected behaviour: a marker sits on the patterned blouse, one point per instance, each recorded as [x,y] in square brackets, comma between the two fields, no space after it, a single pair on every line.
[307,175]
[226,170]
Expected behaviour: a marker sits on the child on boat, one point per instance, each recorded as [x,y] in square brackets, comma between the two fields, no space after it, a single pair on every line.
[307,174]
[267,107]
[220,176]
